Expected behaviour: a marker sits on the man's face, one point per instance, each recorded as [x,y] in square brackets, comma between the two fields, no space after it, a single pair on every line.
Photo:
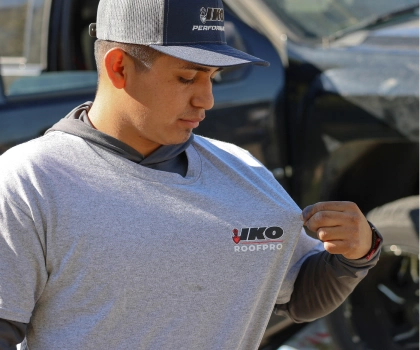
[167,102]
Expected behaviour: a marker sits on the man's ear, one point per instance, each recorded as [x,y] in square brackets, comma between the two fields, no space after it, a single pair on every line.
[115,64]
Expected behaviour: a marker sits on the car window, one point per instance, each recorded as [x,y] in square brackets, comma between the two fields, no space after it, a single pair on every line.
[317,19]
[13,15]
[24,30]
[21,31]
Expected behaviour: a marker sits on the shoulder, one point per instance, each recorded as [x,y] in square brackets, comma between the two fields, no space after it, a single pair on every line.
[29,169]
[225,150]
[43,146]
[233,159]
[36,154]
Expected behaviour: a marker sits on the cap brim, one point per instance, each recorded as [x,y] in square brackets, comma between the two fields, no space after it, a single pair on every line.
[213,55]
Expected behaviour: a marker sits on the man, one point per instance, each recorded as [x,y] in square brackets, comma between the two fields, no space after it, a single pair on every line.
[121,229]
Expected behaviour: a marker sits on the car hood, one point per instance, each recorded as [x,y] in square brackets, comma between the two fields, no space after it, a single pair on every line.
[378,71]
[403,36]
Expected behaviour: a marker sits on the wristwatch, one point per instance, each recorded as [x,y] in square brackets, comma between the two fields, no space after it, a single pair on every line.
[376,241]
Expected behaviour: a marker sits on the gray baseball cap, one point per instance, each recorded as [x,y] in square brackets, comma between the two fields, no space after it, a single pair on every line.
[192,30]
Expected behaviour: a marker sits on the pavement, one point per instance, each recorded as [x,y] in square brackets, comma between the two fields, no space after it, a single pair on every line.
[314,336]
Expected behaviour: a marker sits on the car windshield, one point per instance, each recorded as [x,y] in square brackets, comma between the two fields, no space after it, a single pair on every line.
[316,19]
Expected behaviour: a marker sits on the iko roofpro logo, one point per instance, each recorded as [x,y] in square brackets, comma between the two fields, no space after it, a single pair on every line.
[211,14]
[257,239]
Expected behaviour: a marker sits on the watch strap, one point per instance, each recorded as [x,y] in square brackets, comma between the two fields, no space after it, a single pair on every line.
[376,241]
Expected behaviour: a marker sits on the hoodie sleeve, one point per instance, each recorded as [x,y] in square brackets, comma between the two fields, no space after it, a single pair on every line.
[11,334]
[329,279]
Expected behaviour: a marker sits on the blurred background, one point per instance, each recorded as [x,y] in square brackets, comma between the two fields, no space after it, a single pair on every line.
[335,117]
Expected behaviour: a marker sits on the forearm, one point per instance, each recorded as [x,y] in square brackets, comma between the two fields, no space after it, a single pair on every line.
[323,283]
[11,334]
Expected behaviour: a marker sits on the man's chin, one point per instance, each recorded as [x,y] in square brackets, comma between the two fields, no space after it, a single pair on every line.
[181,139]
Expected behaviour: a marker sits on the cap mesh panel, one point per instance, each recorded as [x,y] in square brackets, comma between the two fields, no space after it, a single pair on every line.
[120,21]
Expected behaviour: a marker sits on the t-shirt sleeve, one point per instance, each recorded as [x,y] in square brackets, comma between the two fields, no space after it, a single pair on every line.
[22,257]
[305,247]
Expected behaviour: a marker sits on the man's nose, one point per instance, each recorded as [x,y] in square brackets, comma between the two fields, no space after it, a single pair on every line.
[203,96]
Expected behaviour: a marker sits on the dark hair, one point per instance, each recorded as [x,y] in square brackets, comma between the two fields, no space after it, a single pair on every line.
[143,55]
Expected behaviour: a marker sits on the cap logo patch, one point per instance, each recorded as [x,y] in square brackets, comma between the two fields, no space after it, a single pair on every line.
[211,14]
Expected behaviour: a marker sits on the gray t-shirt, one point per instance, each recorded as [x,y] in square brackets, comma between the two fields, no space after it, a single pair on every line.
[99,252]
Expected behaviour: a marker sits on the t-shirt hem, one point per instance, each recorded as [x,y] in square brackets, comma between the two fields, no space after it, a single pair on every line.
[12,316]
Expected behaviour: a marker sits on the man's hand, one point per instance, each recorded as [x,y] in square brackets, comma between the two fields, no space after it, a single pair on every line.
[341,226]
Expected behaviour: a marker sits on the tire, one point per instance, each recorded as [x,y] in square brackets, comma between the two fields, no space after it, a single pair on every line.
[382,313]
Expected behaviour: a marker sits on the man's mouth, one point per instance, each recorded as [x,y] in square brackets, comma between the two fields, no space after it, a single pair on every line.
[191,123]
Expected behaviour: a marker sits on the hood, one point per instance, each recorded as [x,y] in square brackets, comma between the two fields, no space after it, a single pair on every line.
[166,158]
[376,70]
[402,36]
[395,37]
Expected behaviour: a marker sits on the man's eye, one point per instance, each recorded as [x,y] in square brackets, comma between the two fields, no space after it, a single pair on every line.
[186,81]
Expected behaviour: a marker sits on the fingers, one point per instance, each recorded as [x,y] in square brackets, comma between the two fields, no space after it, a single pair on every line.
[343,240]
[338,247]
[342,206]
[329,218]
[326,219]
[334,233]
[341,226]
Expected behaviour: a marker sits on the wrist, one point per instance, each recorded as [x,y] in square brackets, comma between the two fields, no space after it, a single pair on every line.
[376,242]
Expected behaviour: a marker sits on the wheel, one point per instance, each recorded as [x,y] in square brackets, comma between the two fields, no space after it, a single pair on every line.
[383,311]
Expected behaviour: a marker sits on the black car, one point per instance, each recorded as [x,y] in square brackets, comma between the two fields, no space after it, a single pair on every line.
[335,117]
